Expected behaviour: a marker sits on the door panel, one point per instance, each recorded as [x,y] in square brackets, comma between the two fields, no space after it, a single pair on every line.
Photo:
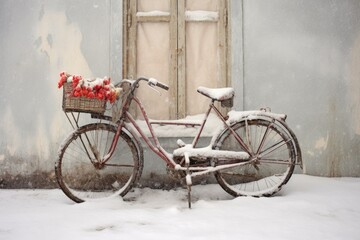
[153,61]
[201,63]
[180,42]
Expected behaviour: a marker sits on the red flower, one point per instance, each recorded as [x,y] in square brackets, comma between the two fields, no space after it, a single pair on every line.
[99,88]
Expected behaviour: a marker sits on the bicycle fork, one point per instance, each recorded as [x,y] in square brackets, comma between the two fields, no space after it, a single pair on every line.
[101,162]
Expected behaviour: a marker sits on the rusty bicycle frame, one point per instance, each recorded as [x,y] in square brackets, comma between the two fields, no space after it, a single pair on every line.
[156,146]
[189,160]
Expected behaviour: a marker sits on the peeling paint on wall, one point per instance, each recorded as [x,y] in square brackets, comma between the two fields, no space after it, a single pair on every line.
[40,39]
[32,124]
[61,41]
[321,144]
[306,66]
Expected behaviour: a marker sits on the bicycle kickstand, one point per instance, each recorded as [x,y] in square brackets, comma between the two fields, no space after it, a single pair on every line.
[188,177]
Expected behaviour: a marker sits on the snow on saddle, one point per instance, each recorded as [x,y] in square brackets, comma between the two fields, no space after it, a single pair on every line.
[223,95]
[218,94]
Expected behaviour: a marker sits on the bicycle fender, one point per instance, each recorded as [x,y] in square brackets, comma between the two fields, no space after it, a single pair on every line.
[236,116]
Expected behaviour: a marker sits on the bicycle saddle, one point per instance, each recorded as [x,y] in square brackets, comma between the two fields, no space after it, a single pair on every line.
[218,94]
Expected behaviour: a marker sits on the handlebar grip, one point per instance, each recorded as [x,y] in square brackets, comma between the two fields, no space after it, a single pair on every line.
[163,86]
[154,82]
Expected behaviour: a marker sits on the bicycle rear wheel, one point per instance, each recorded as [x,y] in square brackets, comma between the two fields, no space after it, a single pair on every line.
[77,169]
[271,163]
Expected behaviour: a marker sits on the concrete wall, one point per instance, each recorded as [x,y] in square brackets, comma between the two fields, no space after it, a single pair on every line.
[38,40]
[297,57]
[302,58]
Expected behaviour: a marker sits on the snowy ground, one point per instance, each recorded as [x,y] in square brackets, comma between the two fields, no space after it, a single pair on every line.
[307,208]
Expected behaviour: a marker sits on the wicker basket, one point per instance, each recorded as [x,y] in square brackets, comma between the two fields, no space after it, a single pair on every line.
[81,104]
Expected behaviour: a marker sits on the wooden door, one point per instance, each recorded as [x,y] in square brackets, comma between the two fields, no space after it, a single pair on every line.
[183,43]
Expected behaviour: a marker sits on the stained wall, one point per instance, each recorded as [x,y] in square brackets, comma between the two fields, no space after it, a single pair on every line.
[297,57]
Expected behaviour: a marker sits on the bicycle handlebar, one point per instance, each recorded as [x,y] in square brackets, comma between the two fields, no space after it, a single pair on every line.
[150,81]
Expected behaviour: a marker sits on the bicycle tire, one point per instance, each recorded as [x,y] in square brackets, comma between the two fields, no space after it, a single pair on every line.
[273,149]
[75,168]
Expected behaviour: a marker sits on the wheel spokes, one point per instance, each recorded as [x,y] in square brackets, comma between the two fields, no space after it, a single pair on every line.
[82,179]
[272,154]
[274,147]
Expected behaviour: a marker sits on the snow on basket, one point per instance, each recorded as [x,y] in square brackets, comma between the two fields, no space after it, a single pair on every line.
[86,95]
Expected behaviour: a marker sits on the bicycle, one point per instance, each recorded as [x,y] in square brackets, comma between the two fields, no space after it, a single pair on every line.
[253,153]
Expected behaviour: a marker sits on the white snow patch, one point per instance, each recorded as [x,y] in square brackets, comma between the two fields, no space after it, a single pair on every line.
[208,152]
[235,116]
[306,208]
[200,16]
[217,93]
[152,14]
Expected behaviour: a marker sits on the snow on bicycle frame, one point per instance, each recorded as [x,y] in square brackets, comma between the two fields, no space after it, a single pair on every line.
[253,153]
[220,94]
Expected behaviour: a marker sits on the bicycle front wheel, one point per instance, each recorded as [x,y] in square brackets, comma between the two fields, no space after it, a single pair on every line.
[79,173]
[272,160]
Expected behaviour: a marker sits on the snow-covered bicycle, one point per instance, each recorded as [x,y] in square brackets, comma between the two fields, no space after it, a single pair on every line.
[253,153]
